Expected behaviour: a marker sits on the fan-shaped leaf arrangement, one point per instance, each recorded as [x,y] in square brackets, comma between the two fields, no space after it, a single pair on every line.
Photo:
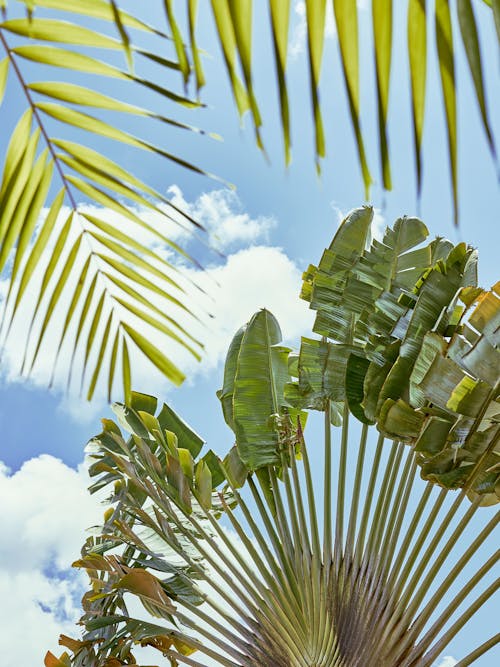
[246,560]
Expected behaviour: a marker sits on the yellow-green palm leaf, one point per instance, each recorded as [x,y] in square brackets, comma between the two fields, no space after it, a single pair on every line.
[108,273]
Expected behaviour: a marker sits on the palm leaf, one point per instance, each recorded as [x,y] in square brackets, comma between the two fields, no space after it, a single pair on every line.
[235,41]
[73,273]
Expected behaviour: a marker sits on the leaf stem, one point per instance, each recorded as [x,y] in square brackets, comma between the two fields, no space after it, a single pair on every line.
[339,521]
[360,542]
[36,114]
[353,514]
[327,490]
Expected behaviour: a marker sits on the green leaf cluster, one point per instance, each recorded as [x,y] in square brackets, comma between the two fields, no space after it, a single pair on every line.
[407,327]
[409,347]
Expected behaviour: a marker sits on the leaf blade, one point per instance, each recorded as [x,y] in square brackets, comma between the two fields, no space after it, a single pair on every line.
[157,358]
[444,40]
[417,54]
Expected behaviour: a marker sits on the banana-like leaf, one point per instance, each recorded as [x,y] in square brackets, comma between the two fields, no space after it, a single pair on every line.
[350,280]
[321,373]
[406,355]
[95,325]
[253,398]
[451,416]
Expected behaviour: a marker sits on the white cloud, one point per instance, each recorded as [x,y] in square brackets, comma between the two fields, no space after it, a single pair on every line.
[297,42]
[446,661]
[39,504]
[247,279]
[45,509]
[379,224]
[222,214]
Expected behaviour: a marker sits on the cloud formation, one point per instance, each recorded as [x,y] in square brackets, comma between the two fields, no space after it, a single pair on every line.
[222,215]
[447,661]
[45,510]
[231,289]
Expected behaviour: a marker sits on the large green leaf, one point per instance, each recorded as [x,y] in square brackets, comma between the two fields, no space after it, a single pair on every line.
[321,373]
[226,394]
[454,393]
[417,55]
[316,14]
[280,18]
[346,17]
[252,397]
[407,355]
[351,279]
[444,41]
[49,30]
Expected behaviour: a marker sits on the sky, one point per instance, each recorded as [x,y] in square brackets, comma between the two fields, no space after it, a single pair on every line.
[276,223]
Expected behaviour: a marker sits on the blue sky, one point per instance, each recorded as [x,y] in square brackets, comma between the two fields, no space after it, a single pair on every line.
[277,223]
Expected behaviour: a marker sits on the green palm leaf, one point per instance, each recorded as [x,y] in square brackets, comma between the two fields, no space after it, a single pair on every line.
[236,41]
[85,278]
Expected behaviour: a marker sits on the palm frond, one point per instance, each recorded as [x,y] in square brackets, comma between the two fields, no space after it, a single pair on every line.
[447,17]
[104,270]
